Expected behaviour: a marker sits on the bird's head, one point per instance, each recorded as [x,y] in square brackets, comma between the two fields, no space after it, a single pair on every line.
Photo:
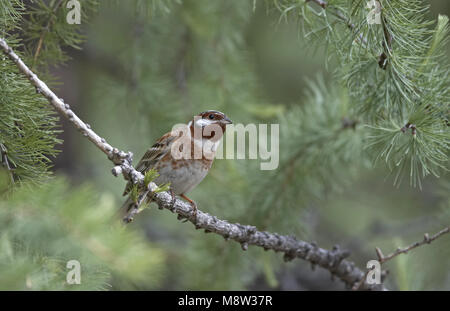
[209,121]
[213,117]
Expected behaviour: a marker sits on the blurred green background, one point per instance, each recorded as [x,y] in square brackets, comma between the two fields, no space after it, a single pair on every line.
[142,70]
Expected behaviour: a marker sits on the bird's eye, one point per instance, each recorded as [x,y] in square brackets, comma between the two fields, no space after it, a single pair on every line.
[211,116]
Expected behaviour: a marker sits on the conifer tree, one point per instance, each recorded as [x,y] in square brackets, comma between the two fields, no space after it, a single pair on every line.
[380,105]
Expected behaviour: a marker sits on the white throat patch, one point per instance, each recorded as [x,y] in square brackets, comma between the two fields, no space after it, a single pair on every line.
[203,122]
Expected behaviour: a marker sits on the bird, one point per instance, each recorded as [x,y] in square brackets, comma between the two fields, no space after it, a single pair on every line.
[176,158]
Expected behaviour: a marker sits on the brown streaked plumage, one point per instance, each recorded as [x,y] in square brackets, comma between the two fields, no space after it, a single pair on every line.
[184,174]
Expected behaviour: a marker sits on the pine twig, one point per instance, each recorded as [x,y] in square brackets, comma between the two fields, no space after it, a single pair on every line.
[359,285]
[332,260]
[426,240]
[5,161]
[322,3]
[44,31]
[387,44]
[338,14]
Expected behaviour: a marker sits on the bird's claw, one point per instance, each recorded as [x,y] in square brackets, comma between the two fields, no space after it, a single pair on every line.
[194,207]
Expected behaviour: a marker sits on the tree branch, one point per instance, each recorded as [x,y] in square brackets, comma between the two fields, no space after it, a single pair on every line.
[332,260]
[45,30]
[322,3]
[5,161]
[342,17]
[426,240]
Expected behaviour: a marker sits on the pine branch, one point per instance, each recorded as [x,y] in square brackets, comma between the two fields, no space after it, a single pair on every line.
[57,103]
[332,260]
[426,240]
[396,73]
[5,161]
[322,3]
[338,14]
[45,30]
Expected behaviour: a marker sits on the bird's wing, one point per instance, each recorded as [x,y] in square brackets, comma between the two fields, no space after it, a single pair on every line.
[153,155]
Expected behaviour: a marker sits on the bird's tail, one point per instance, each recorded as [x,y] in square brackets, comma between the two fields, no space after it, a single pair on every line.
[125,210]
[130,207]
[127,205]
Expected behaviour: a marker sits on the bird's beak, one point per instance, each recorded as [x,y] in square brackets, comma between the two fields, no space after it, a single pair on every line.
[226,120]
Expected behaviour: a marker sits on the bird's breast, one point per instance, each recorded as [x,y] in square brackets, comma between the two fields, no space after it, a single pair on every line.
[183,174]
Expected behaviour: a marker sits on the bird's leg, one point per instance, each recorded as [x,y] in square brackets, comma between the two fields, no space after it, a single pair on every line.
[193,204]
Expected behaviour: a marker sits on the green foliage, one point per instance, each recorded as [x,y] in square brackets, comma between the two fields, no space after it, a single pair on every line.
[150,175]
[163,187]
[418,152]
[10,14]
[215,272]
[318,140]
[393,70]
[150,8]
[443,191]
[176,71]
[47,31]
[212,55]
[152,64]
[134,193]
[44,227]
[28,129]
